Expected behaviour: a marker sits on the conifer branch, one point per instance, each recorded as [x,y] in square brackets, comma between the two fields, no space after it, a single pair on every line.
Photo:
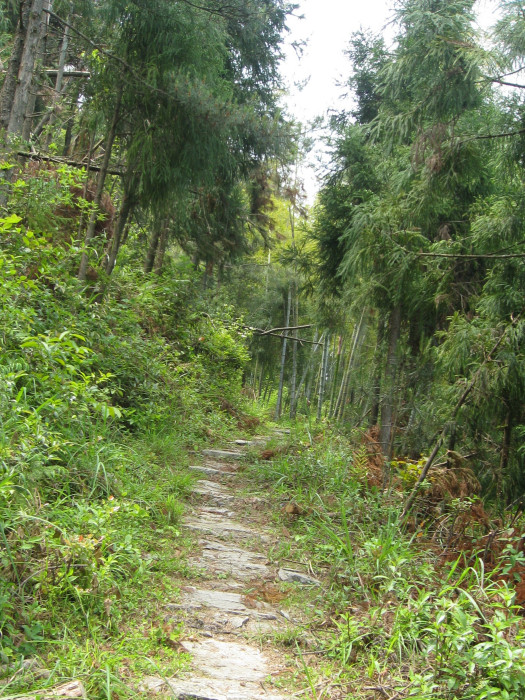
[223,11]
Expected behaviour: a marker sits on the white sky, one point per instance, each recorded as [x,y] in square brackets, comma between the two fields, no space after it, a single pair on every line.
[327,27]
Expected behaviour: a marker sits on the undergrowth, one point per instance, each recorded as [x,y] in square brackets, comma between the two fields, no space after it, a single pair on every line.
[104,391]
[401,613]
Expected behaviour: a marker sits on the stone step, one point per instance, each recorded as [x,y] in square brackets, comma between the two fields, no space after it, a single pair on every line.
[207,689]
[210,471]
[224,671]
[72,689]
[224,558]
[213,491]
[225,612]
[220,524]
[223,454]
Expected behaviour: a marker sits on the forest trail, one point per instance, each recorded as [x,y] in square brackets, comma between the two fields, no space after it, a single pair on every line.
[232,615]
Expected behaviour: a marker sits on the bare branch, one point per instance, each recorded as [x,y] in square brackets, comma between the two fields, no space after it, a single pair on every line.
[504,75]
[504,82]
[69,73]
[279,330]
[503,135]
[470,256]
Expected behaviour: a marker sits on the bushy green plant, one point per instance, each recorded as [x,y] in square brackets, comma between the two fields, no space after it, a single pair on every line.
[100,397]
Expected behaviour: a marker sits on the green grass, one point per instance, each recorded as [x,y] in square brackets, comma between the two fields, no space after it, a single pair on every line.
[389,614]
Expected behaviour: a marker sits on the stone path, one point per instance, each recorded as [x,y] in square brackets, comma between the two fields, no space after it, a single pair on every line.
[226,624]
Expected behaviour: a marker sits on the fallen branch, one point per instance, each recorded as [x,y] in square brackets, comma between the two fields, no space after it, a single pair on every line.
[64,161]
[498,255]
[280,333]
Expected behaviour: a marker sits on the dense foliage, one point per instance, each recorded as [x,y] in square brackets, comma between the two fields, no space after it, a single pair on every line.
[420,225]
[100,401]
[162,281]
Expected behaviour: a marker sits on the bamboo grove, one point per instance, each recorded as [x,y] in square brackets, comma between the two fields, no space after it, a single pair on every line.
[397,299]
[410,267]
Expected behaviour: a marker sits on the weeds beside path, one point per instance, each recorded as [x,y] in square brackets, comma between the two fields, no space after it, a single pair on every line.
[289,577]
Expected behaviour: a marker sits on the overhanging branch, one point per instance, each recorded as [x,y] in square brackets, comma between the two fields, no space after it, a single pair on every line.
[280,329]
[470,256]
[480,137]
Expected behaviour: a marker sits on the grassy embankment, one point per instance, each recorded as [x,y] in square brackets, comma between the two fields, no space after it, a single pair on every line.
[104,394]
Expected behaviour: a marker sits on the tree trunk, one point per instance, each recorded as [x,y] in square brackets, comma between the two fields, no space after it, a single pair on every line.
[7,93]
[340,354]
[322,380]
[40,59]
[504,457]
[261,379]
[452,439]
[207,277]
[153,245]
[126,207]
[68,136]
[267,391]
[341,396]
[357,340]
[307,367]
[387,404]
[278,407]
[293,382]
[101,180]
[22,96]
[161,250]
[311,377]
[376,380]
[50,116]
